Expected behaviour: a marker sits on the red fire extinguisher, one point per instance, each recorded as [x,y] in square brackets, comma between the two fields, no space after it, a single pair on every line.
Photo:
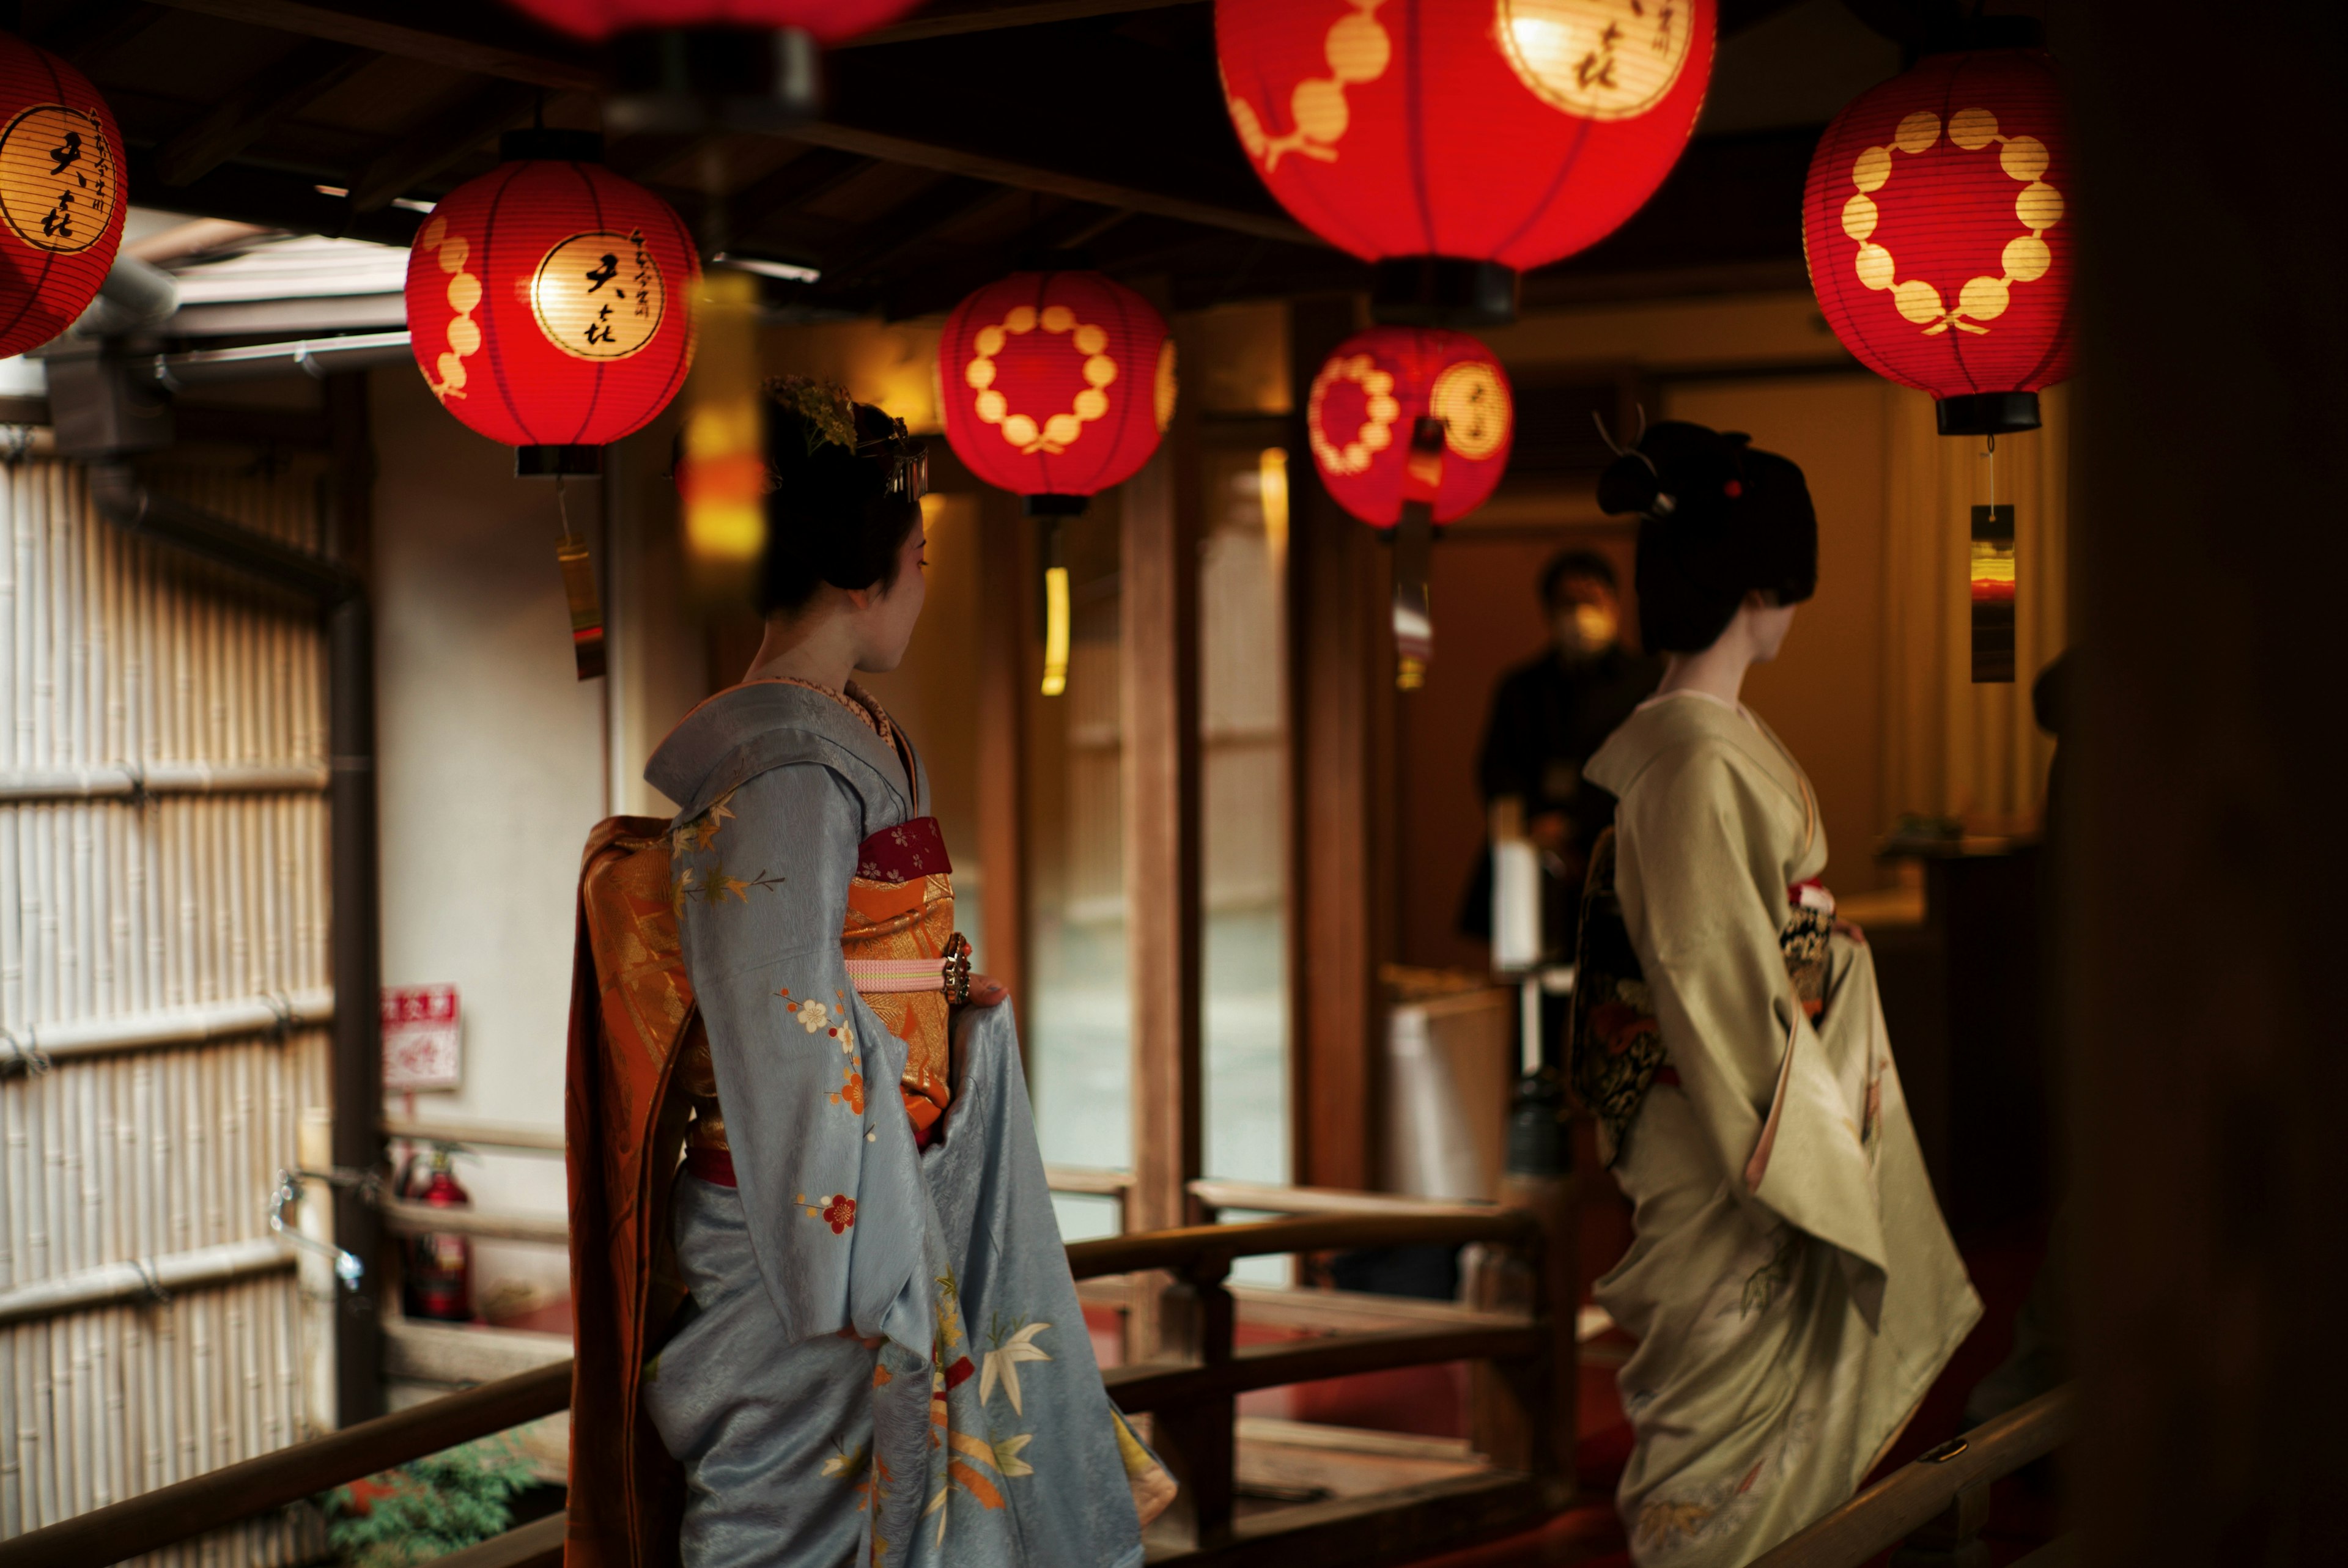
[440,1283]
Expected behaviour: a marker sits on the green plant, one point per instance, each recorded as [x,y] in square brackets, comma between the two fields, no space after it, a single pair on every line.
[427,1509]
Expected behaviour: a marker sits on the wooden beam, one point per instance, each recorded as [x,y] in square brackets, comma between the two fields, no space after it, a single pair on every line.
[1006,686]
[950,159]
[92,29]
[274,199]
[948,20]
[529,54]
[237,121]
[497,107]
[816,173]
[911,223]
[1157,622]
[1341,744]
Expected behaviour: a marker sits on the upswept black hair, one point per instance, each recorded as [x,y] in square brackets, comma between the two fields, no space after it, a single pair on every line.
[1575,563]
[844,487]
[1719,520]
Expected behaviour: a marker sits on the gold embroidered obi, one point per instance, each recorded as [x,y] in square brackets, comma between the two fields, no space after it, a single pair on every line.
[905,958]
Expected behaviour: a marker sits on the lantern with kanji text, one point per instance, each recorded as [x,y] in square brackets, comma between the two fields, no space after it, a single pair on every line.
[1367,401]
[1935,220]
[61,196]
[1055,385]
[1456,143]
[550,302]
[1410,427]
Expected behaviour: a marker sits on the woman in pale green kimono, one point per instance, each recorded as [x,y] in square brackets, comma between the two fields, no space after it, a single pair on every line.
[1792,1287]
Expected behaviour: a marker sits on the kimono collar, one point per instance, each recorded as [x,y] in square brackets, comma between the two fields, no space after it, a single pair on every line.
[1664,722]
[744,731]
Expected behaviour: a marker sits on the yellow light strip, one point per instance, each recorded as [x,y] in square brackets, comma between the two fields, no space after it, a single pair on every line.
[724,471]
[1055,630]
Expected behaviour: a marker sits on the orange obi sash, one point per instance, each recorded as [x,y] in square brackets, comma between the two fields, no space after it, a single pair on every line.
[905,958]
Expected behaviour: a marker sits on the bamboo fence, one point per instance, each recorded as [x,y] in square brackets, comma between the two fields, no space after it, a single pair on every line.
[167,911]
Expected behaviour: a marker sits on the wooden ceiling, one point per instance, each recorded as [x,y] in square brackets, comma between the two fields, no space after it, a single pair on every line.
[953,143]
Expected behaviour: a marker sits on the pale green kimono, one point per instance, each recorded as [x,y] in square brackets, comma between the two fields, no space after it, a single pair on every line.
[1792,1285]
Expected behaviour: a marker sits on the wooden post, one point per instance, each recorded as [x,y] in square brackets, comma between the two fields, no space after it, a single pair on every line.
[1952,1538]
[1527,1416]
[1341,740]
[355,904]
[1005,685]
[1159,631]
[1196,1439]
[2211,1249]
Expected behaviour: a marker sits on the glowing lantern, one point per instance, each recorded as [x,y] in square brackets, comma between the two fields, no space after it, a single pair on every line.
[1459,142]
[1939,246]
[825,21]
[550,302]
[61,198]
[1368,400]
[682,64]
[1054,386]
[1410,427]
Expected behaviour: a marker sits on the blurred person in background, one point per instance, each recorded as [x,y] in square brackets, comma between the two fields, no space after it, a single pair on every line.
[1549,715]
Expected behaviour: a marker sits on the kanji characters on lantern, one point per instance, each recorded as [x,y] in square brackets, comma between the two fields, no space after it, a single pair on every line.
[1940,249]
[1055,384]
[1459,142]
[1368,399]
[61,198]
[548,302]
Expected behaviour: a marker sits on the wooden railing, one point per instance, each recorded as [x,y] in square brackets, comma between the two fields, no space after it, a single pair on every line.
[1189,1392]
[1937,1504]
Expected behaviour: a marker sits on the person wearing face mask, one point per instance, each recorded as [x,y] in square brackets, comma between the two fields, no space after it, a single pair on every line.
[1790,1281]
[1549,714]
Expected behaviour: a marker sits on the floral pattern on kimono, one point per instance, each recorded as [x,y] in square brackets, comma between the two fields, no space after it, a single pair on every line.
[832,1358]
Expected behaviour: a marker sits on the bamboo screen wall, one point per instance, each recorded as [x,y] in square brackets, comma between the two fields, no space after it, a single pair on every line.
[191,903]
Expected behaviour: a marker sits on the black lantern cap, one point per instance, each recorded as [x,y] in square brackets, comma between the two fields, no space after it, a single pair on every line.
[551,146]
[1050,505]
[558,462]
[1442,292]
[683,80]
[1987,414]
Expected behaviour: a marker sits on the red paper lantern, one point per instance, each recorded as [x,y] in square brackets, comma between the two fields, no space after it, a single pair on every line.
[1935,225]
[550,302]
[1370,397]
[1055,385]
[827,20]
[61,196]
[1457,142]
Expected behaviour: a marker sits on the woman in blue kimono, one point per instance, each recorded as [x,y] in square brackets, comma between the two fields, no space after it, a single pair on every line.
[884,1361]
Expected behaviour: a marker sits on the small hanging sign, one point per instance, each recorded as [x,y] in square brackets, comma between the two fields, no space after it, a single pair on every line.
[586,609]
[420,1048]
[1992,595]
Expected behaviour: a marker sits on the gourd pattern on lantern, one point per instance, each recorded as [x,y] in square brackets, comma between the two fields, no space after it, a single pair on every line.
[1370,394]
[61,196]
[549,304]
[1515,131]
[1934,221]
[827,20]
[1055,384]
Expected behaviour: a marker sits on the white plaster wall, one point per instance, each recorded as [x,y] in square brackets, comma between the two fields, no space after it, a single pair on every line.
[493,770]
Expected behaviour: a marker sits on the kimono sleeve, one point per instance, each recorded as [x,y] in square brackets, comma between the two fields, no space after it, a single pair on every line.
[1704,895]
[829,1179]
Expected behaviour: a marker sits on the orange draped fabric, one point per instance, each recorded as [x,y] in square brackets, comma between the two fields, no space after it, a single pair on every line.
[639,1066]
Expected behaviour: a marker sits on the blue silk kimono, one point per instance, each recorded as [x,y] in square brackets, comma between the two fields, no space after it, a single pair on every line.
[884,1361]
